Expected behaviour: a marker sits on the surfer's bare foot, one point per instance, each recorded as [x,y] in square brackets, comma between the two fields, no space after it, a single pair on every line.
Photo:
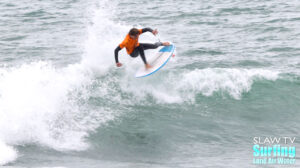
[165,43]
[148,66]
[119,64]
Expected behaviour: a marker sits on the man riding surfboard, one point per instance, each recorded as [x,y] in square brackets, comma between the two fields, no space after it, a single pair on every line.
[134,48]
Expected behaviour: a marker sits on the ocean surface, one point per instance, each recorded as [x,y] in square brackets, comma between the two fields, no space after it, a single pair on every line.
[64,103]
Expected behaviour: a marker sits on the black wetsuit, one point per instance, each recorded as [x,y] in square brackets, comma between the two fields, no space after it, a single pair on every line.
[140,49]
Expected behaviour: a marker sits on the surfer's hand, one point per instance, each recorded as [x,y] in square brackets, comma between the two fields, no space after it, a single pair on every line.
[148,66]
[154,32]
[119,64]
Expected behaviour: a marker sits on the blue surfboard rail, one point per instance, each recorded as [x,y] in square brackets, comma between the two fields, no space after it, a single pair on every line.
[170,49]
[167,48]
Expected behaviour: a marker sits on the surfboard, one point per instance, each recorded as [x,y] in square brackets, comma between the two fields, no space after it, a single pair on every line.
[157,62]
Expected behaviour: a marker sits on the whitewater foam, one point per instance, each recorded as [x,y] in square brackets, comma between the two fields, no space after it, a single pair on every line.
[7,153]
[228,80]
[43,105]
[178,87]
[103,36]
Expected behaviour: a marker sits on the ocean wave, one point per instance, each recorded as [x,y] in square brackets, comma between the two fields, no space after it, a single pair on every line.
[42,105]
[178,87]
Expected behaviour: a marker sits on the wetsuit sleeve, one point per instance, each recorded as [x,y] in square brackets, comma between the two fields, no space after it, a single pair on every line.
[117,54]
[147,30]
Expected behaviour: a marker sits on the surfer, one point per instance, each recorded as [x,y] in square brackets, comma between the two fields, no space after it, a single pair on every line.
[134,48]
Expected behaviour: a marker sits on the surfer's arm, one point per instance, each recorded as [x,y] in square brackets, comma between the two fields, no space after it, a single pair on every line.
[117,54]
[154,32]
[147,29]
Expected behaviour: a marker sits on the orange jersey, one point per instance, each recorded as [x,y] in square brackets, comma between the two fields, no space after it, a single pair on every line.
[129,43]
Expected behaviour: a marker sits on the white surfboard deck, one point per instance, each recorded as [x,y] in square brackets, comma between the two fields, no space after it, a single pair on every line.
[157,62]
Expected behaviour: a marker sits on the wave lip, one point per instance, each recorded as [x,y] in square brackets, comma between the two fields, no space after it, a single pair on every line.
[232,81]
[184,86]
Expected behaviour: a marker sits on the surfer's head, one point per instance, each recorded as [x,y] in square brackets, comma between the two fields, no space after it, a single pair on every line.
[134,33]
